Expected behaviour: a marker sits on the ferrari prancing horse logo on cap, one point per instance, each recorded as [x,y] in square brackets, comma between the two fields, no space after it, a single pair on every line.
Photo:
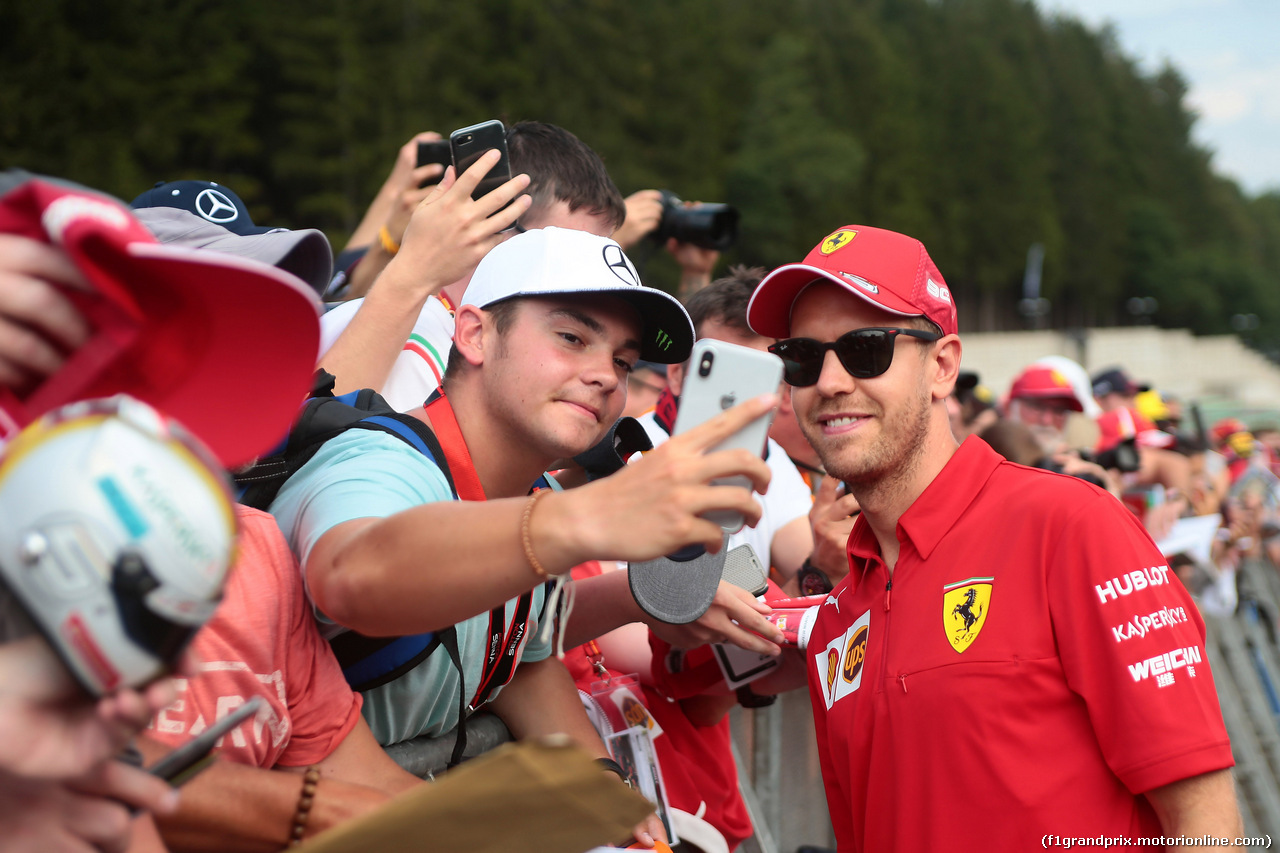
[964,610]
[838,240]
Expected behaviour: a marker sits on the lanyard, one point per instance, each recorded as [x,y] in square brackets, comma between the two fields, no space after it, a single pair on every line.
[664,410]
[596,658]
[664,413]
[503,649]
[457,457]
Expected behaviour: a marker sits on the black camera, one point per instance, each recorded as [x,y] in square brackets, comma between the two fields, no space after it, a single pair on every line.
[1123,457]
[710,226]
[1048,464]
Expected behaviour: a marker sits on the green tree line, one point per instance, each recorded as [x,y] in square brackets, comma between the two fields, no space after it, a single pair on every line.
[979,126]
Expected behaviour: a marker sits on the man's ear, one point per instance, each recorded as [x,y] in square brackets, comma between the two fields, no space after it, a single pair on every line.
[947,362]
[470,328]
[675,377]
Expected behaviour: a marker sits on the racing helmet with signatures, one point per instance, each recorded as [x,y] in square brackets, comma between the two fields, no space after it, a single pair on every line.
[117,530]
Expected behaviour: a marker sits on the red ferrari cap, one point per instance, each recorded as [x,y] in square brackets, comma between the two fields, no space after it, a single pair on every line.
[225,345]
[1039,382]
[890,270]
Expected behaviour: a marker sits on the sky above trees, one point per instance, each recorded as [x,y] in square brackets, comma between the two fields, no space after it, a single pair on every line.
[1226,50]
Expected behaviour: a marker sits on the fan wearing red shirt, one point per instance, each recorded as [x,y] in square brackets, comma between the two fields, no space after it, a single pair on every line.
[1009,656]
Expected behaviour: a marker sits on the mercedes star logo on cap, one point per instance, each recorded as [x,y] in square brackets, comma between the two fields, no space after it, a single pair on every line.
[216,207]
[621,267]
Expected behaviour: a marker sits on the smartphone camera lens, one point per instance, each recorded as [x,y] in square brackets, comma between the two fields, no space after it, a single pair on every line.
[704,365]
[466,139]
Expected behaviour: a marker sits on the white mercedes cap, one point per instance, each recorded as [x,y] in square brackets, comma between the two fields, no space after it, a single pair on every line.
[550,261]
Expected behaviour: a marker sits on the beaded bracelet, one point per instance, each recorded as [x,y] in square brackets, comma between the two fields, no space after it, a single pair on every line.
[525,540]
[310,780]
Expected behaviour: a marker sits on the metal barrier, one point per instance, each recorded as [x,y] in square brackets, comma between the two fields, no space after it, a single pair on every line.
[427,757]
[777,753]
[1245,658]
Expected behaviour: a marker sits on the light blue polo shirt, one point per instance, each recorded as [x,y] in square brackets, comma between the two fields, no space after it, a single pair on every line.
[366,474]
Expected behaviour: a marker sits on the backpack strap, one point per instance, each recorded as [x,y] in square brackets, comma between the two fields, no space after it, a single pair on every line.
[416,434]
[369,662]
[449,640]
[323,416]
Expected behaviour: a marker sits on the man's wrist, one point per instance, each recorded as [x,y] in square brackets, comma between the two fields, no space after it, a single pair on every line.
[556,537]
[399,283]
[812,580]
[692,282]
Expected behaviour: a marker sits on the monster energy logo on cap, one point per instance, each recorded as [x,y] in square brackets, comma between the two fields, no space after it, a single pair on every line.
[663,340]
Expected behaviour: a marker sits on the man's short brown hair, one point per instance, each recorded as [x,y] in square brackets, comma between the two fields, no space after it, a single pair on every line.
[561,167]
[725,299]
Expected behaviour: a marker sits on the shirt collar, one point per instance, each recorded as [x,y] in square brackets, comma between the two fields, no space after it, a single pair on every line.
[939,506]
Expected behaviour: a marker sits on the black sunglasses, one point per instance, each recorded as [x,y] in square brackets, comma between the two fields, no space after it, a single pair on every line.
[862,352]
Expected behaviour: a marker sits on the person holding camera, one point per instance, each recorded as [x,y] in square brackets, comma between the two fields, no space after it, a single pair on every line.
[378,236]
[978,658]
[694,233]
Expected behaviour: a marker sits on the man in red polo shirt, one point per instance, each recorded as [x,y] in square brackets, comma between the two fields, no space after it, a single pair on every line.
[1009,658]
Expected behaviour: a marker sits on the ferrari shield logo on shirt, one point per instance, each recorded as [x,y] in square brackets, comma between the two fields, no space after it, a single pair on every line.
[964,610]
[840,663]
[838,240]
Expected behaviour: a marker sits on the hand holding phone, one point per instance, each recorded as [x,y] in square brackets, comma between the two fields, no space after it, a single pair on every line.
[719,376]
[433,152]
[467,144]
[742,568]
[659,504]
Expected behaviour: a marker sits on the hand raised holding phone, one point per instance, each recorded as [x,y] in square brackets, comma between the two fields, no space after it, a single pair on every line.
[661,503]
[469,144]
[450,231]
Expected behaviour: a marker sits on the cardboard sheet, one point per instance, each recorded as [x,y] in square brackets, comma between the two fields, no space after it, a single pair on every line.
[547,795]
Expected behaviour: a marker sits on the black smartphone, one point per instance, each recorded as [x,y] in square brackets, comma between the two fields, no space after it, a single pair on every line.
[433,152]
[469,143]
[181,765]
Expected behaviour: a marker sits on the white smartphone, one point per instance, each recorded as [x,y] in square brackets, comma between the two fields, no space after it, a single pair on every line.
[720,376]
[742,569]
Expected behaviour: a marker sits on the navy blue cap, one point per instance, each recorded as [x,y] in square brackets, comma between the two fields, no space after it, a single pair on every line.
[211,202]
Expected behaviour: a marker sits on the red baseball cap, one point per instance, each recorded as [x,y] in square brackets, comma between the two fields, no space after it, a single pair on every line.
[1225,428]
[1118,424]
[224,345]
[890,270]
[1039,382]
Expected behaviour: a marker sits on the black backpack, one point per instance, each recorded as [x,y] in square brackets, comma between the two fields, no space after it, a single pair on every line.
[325,416]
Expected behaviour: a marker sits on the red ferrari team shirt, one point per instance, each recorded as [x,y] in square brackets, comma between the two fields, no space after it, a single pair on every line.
[1030,670]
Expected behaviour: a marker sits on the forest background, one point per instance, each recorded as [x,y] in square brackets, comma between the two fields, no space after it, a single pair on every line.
[980,126]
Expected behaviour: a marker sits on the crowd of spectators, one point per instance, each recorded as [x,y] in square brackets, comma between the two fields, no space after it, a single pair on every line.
[1163,460]
[387,594]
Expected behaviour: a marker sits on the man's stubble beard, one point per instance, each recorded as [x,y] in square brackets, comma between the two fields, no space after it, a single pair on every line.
[893,458]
